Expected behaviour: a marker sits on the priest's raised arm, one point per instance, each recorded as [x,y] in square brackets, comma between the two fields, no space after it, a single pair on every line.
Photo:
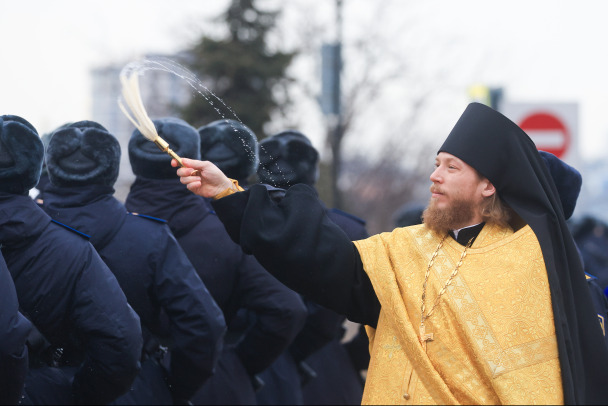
[293,238]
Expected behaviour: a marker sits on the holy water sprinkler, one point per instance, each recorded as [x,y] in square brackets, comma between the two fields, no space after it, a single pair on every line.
[139,117]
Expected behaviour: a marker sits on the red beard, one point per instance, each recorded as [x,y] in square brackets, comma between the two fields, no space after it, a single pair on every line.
[458,214]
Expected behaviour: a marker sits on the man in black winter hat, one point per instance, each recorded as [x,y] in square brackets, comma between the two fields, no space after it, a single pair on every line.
[160,283]
[232,147]
[288,158]
[236,281]
[90,341]
[486,302]
[568,181]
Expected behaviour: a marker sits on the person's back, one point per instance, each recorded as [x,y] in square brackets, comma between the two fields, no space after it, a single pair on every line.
[591,236]
[14,331]
[600,303]
[325,371]
[64,288]
[160,283]
[234,279]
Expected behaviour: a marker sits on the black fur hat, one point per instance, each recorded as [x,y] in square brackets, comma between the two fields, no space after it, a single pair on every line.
[21,155]
[231,146]
[567,179]
[82,153]
[148,161]
[288,158]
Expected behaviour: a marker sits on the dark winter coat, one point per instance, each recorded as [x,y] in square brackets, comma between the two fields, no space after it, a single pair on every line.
[14,330]
[317,368]
[159,281]
[337,381]
[73,299]
[235,280]
[600,303]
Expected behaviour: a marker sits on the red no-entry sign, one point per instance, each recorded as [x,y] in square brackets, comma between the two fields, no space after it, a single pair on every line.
[552,126]
[548,132]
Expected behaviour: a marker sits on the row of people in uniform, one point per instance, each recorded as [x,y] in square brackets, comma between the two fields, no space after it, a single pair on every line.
[150,301]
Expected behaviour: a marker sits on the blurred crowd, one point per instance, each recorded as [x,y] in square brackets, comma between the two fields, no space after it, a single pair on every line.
[149,301]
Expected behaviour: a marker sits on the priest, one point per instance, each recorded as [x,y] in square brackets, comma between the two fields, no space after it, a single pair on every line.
[485,302]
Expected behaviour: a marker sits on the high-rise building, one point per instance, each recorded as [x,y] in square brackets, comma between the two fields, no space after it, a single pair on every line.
[162,94]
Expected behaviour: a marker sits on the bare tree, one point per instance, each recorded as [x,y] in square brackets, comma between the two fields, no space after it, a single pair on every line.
[396,90]
[376,189]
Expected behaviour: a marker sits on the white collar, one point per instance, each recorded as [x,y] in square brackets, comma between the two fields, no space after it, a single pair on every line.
[463,228]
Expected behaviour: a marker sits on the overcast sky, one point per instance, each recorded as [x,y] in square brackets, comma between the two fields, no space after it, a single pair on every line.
[538,50]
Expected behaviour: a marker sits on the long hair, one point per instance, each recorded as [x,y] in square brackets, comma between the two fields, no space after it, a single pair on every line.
[495,211]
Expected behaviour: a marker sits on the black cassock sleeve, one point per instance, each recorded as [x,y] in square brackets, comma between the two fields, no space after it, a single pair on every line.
[295,241]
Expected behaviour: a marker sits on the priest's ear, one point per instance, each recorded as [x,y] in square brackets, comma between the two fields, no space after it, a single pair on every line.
[487,188]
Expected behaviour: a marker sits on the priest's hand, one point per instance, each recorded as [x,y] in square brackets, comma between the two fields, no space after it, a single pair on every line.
[210,181]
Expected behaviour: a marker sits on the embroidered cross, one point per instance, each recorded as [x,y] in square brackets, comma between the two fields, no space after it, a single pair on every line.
[392,347]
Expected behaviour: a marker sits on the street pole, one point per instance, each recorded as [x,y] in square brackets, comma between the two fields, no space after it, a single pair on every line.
[337,132]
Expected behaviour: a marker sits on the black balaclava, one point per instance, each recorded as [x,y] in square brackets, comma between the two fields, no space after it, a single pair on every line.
[288,158]
[502,152]
[231,146]
[21,155]
[81,154]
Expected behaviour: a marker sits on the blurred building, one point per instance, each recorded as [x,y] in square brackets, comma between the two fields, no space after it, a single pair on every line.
[162,94]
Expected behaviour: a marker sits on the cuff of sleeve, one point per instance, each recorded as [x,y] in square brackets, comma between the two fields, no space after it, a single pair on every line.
[230,190]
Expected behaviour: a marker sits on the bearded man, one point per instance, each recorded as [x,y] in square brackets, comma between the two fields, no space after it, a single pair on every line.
[486,302]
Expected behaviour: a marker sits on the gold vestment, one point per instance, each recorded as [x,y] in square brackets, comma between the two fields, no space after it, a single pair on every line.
[493,332]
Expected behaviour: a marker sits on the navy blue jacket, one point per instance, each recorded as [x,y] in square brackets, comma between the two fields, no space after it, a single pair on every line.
[600,303]
[155,275]
[14,330]
[71,296]
[591,237]
[235,280]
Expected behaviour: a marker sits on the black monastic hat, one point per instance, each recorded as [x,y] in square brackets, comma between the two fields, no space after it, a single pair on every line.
[502,152]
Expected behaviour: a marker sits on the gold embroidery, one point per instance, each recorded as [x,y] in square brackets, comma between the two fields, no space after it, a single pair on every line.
[392,347]
[424,337]
[498,339]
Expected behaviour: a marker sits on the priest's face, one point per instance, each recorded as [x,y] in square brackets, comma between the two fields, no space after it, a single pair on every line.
[457,194]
